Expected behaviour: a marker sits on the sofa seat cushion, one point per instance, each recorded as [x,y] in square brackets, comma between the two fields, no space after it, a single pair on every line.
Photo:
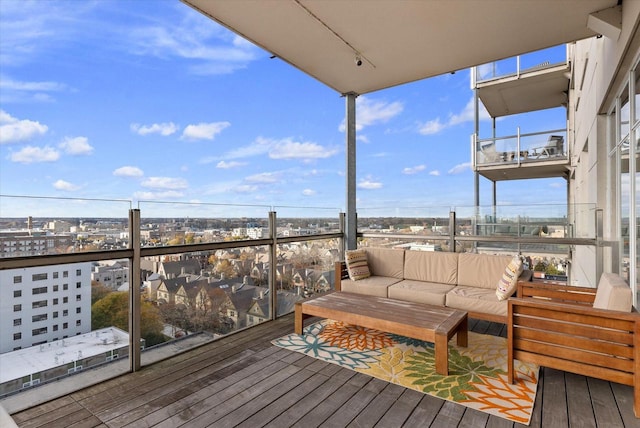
[431,293]
[385,262]
[476,299]
[372,286]
[431,266]
[481,270]
[613,293]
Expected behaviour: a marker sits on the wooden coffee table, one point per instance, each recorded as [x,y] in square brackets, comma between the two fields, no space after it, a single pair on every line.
[435,324]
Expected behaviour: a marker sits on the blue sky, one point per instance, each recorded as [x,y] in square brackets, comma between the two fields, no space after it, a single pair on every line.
[150,100]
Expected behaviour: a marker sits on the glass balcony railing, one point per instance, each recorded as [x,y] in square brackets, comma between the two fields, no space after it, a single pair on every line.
[521,148]
[73,283]
[521,64]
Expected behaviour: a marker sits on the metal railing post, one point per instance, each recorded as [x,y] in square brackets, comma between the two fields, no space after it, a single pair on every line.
[273,261]
[341,243]
[134,291]
[452,231]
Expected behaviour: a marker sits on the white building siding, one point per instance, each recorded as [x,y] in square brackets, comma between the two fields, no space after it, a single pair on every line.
[42,304]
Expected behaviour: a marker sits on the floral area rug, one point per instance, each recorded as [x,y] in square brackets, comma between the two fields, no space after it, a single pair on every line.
[477,374]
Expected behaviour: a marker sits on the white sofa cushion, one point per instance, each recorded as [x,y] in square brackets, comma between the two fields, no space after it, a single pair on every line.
[386,262]
[481,270]
[431,266]
[430,293]
[613,293]
[372,286]
[476,299]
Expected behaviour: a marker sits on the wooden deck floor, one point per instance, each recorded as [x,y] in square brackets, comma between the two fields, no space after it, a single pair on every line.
[243,380]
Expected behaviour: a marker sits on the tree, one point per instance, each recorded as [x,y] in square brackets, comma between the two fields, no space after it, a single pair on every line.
[98,291]
[113,310]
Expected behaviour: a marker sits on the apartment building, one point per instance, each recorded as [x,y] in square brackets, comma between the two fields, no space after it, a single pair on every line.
[44,304]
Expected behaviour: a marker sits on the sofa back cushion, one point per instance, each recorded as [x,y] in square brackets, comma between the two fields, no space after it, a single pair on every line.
[481,270]
[613,293]
[385,262]
[431,266]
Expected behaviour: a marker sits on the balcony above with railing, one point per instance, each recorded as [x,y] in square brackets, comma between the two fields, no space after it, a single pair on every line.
[526,83]
[522,156]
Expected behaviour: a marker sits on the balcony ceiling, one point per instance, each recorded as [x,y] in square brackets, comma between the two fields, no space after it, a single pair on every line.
[399,41]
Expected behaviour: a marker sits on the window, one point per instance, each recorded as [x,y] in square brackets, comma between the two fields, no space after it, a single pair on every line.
[17,321]
[55,314]
[55,301]
[78,297]
[39,290]
[65,313]
[65,286]
[78,323]
[55,275]
[55,327]
[65,274]
[17,279]
[41,317]
[78,272]
[39,277]
[17,293]
[78,285]
[55,288]
[65,300]
[65,325]
[17,336]
[39,304]
[17,308]
[39,331]
[78,310]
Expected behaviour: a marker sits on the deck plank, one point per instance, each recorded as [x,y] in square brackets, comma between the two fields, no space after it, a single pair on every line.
[244,380]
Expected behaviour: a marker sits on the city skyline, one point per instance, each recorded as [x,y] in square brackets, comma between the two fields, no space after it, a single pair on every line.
[152,101]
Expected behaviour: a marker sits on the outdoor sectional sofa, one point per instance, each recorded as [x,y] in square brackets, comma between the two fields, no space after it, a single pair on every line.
[464,281]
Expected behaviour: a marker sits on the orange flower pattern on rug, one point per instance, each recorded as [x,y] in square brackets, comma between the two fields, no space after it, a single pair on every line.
[354,337]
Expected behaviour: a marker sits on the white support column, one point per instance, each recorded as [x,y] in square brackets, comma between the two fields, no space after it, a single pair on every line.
[351,223]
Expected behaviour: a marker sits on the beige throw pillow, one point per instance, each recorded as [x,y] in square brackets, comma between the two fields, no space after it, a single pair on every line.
[357,264]
[509,281]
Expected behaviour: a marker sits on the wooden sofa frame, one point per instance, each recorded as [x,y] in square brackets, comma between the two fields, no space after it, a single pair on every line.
[342,273]
[556,326]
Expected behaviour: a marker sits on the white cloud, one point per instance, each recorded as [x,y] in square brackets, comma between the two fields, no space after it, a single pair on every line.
[21,91]
[158,196]
[368,184]
[432,127]
[413,170]
[65,185]
[13,130]
[164,129]
[309,192]
[466,115]
[165,183]
[370,112]
[76,146]
[204,131]
[246,188]
[128,171]
[435,173]
[264,178]
[32,154]
[288,149]
[460,168]
[230,164]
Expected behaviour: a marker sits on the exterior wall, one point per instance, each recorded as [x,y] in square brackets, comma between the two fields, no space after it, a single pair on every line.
[601,68]
[17,301]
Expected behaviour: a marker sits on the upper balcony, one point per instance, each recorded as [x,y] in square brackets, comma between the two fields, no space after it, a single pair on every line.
[522,156]
[536,81]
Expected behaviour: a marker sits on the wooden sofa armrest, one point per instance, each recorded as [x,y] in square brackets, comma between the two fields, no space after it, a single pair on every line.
[579,339]
[340,273]
[583,296]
